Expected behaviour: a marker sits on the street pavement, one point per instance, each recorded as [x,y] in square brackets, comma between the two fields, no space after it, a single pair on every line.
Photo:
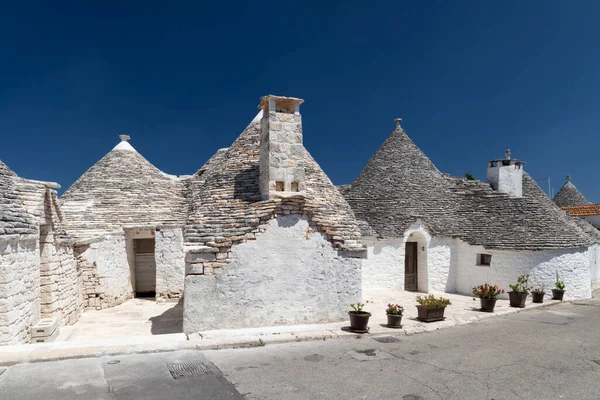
[547,353]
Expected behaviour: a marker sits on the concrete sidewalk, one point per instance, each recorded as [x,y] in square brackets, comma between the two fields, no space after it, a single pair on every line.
[463,310]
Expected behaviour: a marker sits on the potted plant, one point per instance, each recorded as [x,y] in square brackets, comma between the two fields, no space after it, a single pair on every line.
[559,291]
[394,315]
[519,293]
[537,293]
[359,319]
[488,295]
[431,308]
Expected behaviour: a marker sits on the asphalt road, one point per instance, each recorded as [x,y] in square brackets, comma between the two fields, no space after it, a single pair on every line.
[551,353]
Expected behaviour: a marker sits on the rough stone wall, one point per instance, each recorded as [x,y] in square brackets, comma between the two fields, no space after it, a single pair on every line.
[289,275]
[61,292]
[19,287]
[573,266]
[170,263]
[105,271]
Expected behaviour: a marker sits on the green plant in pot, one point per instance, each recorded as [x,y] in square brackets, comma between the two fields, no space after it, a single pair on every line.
[431,308]
[394,315]
[559,289]
[488,295]
[519,293]
[359,319]
[537,293]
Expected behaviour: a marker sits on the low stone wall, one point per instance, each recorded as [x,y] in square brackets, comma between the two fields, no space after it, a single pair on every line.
[105,271]
[289,275]
[170,263]
[19,287]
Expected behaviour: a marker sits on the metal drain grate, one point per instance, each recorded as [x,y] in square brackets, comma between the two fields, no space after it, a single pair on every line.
[188,369]
[386,339]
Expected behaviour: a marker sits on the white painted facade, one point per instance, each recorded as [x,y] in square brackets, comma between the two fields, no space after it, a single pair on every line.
[451,265]
[594,220]
[506,178]
[170,263]
[288,275]
[19,287]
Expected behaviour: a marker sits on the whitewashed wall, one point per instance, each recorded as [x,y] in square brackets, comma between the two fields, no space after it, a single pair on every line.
[19,287]
[573,266]
[170,263]
[286,276]
[594,220]
[594,252]
[106,271]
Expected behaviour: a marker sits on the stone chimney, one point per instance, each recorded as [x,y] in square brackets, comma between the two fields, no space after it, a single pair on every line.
[281,150]
[506,175]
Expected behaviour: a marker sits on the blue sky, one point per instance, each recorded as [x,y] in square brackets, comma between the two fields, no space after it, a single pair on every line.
[469,78]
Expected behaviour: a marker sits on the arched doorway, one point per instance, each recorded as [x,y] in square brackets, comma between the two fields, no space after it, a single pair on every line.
[415,263]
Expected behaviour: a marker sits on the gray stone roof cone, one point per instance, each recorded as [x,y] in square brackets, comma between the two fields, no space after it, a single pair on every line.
[14,219]
[570,196]
[123,188]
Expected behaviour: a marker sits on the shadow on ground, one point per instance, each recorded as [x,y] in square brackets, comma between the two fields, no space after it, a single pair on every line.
[171,321]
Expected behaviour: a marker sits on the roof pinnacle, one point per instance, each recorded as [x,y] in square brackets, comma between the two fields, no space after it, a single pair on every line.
[124,138]
[398,120]
[568,178]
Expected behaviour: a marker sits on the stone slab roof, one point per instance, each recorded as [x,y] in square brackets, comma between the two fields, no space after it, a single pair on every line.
[583,211]
[14,219]
[123,188]
[569,195]
[400,185]
[227,208]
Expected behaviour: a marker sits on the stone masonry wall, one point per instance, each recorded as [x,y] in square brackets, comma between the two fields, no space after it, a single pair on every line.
[61,292]
[290,274]
[19,287]
[170,263]
[105,271]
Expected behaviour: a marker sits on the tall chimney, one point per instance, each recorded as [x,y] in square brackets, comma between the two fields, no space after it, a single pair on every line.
[506,175]
[281,150]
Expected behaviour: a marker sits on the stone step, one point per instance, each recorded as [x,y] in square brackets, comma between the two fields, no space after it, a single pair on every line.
[45,339]
[45,327]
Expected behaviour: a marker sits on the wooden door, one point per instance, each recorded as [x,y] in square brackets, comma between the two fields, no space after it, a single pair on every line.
[145,268]
[410,267]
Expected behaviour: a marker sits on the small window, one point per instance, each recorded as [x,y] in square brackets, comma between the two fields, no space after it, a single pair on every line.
[295,187]
[484,259]
[279,186]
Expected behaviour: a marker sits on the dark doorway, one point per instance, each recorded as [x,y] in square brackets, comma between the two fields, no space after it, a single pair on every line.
[410,267]
[145,268]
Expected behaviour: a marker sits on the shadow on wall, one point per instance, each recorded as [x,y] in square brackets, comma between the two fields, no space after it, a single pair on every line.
[246,185]
[171,321]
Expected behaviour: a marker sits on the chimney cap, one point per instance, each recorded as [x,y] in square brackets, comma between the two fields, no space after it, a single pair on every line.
[398,121]
[124,138]
[264,100]
[568,178]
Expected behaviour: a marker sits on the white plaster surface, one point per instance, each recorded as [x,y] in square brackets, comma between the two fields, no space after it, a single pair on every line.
[19,287]
[124,146]
[170,263]
[594,220]
[594,252]
[506,179]
[288,275]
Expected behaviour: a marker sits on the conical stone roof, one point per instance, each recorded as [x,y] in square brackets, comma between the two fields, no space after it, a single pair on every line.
[14,219]
[569,196]
[123,188]
[398,185]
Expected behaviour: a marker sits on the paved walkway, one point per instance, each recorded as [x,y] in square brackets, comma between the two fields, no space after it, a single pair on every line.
[143,326]
[135,317]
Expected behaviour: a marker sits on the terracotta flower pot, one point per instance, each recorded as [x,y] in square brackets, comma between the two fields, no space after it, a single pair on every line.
[359,321]
[427,314]
[557,294]
[537,297]
[394,320]
[487,304]
[517,299]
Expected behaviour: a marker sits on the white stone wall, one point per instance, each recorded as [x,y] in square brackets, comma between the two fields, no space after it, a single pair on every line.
[506,179]
[288,275]
[170,263]
[441,267]
[384,265]
[506,266]
[61,292]
[594,220]
[106,271]
[19,287]
[594,252]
